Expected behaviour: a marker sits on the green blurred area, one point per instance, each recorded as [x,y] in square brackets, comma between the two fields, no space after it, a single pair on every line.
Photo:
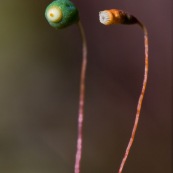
[39,90]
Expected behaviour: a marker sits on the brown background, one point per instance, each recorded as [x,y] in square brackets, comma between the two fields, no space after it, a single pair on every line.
[39,74]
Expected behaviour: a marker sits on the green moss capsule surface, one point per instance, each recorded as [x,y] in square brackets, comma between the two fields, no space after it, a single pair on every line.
[61,13]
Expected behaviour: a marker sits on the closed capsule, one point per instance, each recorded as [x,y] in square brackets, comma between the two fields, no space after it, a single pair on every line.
[61,13]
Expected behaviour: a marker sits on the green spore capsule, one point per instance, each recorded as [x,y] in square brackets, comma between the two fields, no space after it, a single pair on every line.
[61,13]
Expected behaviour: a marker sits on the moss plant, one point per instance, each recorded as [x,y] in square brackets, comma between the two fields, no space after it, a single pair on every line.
[63,13]
[60,14]
[114,16]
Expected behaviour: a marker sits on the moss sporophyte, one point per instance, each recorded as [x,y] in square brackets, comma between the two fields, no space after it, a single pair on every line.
[63,13]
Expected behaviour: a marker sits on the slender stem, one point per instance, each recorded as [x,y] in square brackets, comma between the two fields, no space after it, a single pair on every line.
[140,99]
[81,101]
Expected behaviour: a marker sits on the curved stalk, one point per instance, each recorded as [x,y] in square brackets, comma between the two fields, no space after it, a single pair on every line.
[139,105]
[81,100]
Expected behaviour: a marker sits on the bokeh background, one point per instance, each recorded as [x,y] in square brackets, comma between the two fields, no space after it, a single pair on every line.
[39,89]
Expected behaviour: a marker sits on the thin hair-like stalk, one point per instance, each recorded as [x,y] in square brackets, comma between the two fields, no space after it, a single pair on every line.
[139,105]
[81,100]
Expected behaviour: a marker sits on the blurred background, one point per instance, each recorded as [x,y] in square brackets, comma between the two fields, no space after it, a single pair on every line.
[39,90]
